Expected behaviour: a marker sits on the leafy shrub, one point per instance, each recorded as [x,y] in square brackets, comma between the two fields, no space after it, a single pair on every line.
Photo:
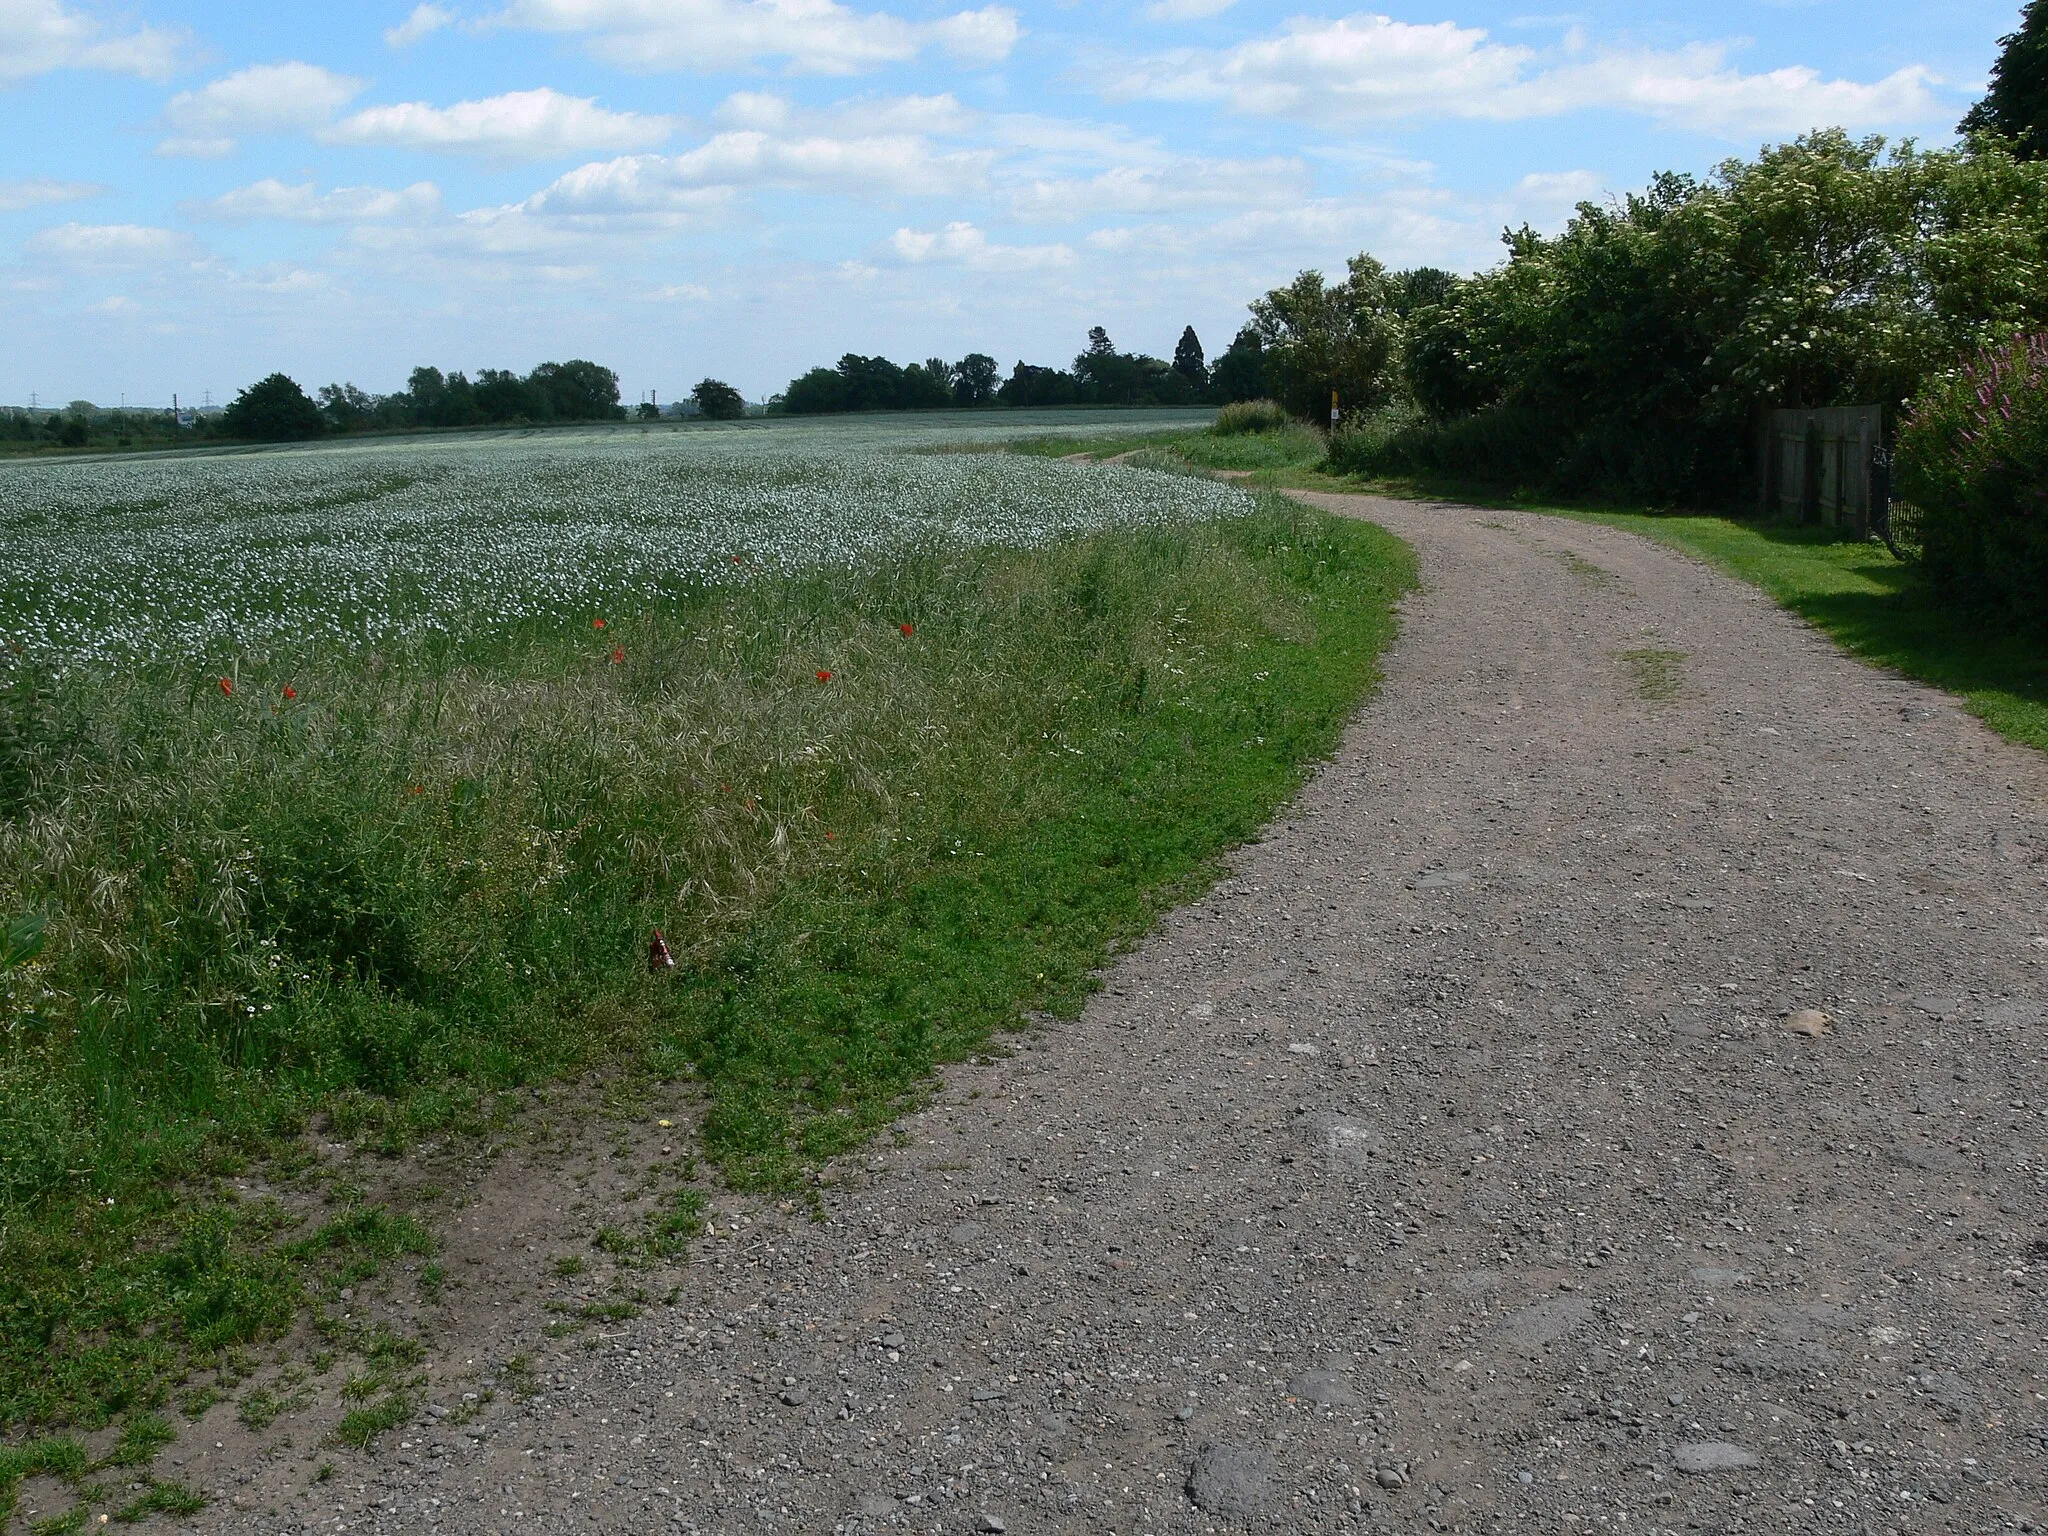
[1243,416]
[273,410]
[1973,459]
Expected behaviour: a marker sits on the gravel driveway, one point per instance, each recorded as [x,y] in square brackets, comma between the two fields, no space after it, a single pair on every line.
[1452,1166]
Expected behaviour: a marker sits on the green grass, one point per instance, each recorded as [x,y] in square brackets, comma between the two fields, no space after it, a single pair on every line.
[375,910]
[1298,447]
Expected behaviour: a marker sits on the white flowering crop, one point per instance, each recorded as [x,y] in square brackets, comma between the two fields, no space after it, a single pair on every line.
[200,556]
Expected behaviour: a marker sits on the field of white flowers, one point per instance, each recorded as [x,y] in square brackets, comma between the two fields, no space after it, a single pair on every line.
[205,556]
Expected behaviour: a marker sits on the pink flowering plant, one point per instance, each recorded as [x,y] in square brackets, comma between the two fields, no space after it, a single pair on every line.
[1973,459]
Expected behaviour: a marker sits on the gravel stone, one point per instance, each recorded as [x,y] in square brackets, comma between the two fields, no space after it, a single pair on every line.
[1702,1456]
[1231,1480]
[1550,1074]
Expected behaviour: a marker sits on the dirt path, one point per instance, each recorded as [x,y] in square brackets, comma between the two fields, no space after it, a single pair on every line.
[1450,1167]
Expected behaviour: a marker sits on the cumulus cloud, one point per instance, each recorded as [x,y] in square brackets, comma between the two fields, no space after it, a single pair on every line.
[1697,88]
[424,22]
[961,244]
[108,245]
[41,191]
[306,204]
[874,148]
[1366,67]
[45,35]
[819,37]
[264,98]
[519,125]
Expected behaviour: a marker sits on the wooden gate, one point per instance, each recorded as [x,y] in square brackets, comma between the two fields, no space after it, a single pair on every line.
[1826,466]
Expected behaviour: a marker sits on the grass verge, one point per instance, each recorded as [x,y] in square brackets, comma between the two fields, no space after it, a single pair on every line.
[881,814]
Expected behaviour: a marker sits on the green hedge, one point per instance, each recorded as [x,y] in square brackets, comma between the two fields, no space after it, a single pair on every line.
[1973,461]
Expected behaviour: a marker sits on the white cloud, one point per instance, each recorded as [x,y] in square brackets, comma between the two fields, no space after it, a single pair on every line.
[1365,67]
[424,22]
[109,245]
[961,244]
[264,98]
[306,204]
[868,148]
[37,36]
[42,191]
[1695,87]
[819,37]
[519,125]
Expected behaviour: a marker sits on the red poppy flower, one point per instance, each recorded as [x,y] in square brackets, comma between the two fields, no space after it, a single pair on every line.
[415,789]
[227,687]
[290,693]
[618,654]
[831,837]
[908,629]
[597,623]
[824,677]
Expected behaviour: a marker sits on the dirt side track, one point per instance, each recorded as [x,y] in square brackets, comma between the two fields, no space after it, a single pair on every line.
[1450,1167]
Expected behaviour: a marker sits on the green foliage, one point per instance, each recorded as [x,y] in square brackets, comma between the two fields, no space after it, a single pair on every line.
[858,383]
[1101,376]
[1240,373]
[718,400]
[273,410]
[577,390]
[1973,460]
[51,1456]
[1631,353]
[160,1498]
[1322,341]
[1241,416]
[2016,105]
[976,378]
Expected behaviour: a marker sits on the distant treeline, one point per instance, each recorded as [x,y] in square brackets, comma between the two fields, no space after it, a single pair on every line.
[81,424]
[1100,375]
[573,391]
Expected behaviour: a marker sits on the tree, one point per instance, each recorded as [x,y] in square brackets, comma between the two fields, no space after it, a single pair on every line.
[1240,373]
[273,410]
[820,391]
[346,407]
[577,391]
[718,400]
[976,379]
[927,386]
[2016,105]
[1320,339]
[501,395]
[1030,385]
[1188,361]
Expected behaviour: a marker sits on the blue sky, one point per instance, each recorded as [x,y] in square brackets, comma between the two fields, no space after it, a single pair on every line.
[194,195]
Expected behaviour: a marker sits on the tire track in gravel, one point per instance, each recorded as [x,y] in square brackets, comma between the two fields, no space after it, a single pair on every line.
[1448,1167]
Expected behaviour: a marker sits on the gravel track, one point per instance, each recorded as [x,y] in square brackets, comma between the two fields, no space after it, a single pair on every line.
[1451,1166]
